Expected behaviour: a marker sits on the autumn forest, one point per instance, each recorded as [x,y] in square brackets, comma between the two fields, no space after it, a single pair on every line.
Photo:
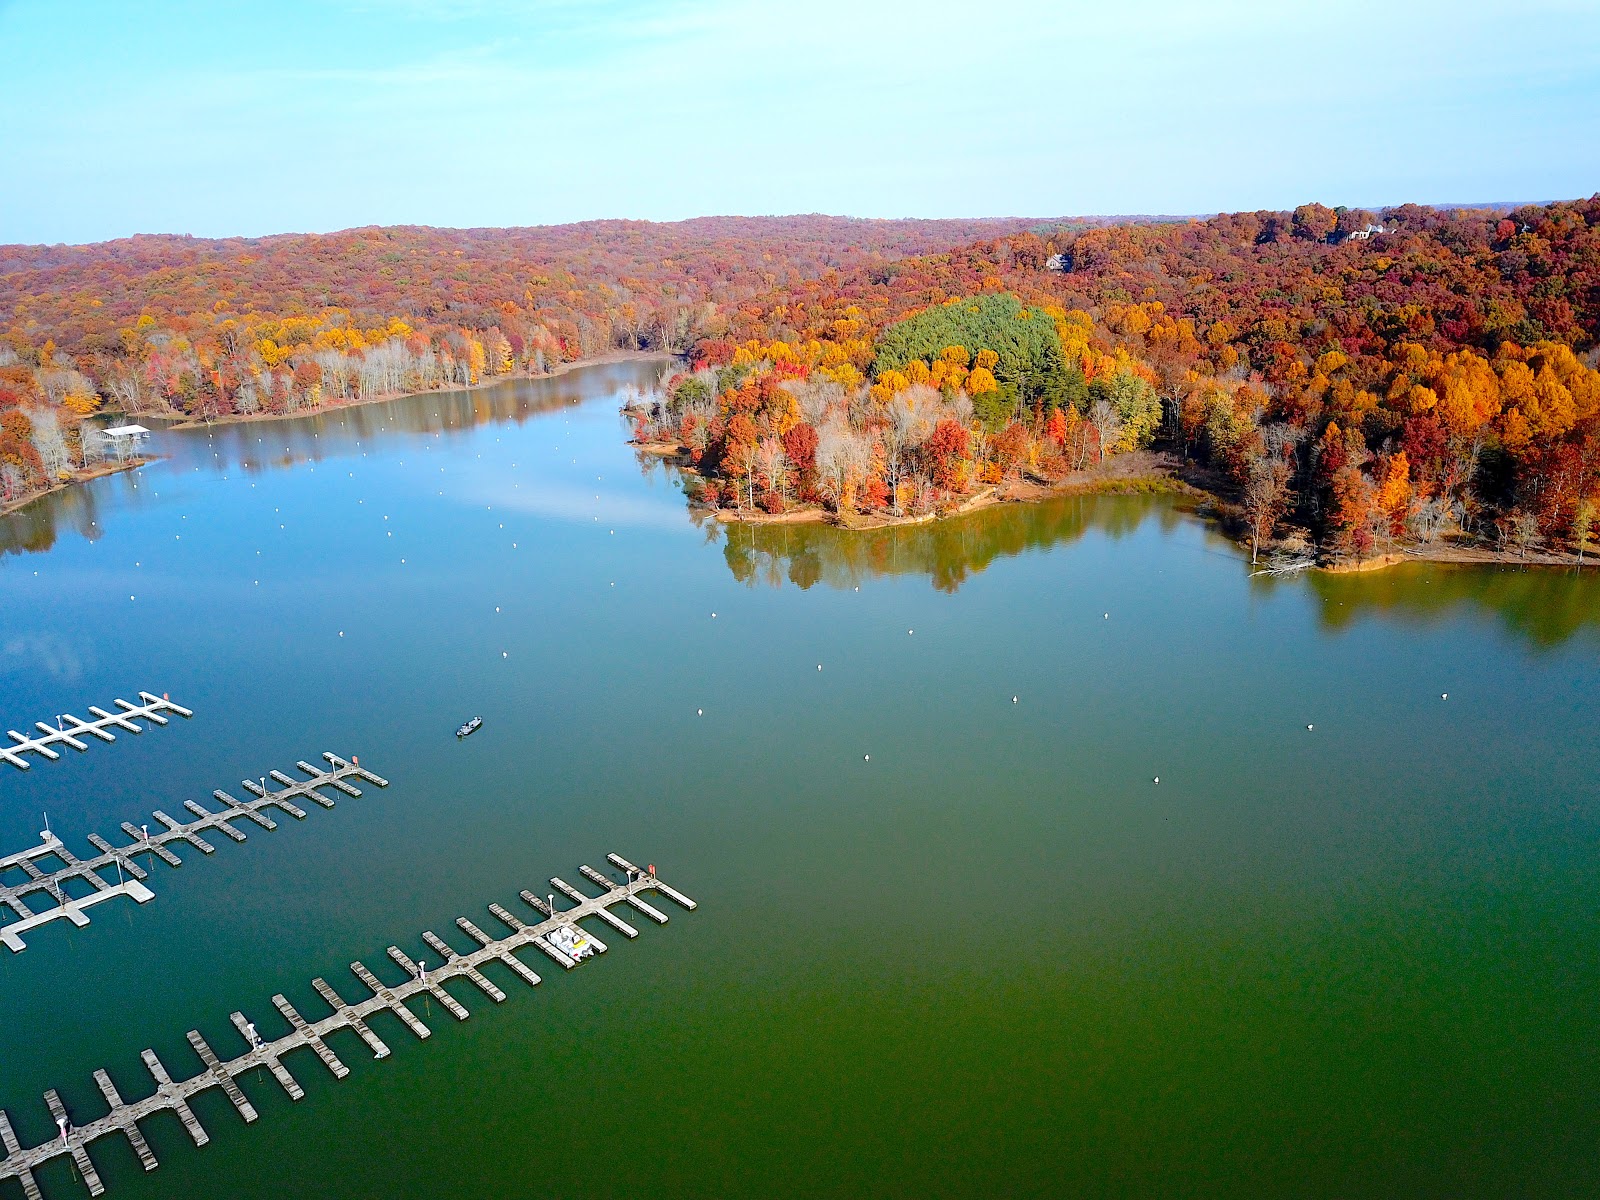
[1341,381]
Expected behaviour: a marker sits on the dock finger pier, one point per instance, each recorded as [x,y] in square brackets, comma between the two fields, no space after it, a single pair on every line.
[40,873]
[557,935]
[70,730]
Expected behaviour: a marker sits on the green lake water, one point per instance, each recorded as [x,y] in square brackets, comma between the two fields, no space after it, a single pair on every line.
[997,959]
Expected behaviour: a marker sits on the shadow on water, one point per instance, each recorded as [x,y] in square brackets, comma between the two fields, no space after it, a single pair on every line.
[1545,606]
[949,552]
[36,528]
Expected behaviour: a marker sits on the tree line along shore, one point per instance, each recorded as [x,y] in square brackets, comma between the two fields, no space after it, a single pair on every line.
[1347,384]
[1350,388]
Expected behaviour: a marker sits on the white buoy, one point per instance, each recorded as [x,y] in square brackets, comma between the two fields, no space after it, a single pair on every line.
[503,654]
[866,758]
[1310,726]
[699,712]
[1107,617]
[341,633]
[1444,696]
[1013,699]
[909,632]
[1158,779]
[713,616]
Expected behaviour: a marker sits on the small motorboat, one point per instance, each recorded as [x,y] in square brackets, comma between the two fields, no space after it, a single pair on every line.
[470,727]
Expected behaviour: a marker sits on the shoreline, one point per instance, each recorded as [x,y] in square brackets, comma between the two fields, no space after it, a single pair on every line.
[1140,473]
[88,475]
[81,475]
[1460,555]
[600,360]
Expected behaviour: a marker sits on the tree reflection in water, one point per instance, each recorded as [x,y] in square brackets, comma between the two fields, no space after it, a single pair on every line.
[256,447]
[1543,605]
[949,552]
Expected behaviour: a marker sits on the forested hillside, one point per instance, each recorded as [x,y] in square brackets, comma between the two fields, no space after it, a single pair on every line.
[1371,377]
[1406,375]
[209,328]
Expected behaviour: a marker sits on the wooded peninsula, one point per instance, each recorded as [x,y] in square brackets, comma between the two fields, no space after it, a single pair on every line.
[1344,382]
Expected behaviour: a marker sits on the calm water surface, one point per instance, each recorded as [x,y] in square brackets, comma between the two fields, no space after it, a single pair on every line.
[996,960]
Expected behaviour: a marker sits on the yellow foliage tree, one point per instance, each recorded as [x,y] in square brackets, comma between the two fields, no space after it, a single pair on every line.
[981,381]
[1394,490]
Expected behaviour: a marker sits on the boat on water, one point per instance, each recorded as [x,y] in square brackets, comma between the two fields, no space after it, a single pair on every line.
[571,942]
[470,727]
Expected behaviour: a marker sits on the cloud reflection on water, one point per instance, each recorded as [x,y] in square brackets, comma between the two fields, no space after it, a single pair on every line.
[46,653]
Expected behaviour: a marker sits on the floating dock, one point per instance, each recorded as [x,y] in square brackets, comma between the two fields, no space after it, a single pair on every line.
[34,863]
[71,730]
[422,979]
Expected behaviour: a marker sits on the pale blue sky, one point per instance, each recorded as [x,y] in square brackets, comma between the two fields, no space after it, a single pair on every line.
[213,118]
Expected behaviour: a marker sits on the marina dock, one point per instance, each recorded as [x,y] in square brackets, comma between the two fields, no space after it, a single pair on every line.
[423,979]
[121,862]
[70,730]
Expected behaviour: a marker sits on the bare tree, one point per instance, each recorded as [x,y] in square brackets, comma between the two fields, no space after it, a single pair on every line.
[912,415]
[247,400]
[1524,530]
[50,442]
[125,383]
[1281,439]
[92,443]
[745,462]
[1430,518]
[773,462]
[57,383]
[842,458]
[1107,422]
[1266,498]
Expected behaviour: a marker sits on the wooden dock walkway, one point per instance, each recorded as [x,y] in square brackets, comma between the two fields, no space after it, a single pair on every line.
[40,876]
[422,979]
[70,730]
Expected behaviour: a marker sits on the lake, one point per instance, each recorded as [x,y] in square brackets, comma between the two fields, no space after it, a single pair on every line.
[1346,947]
